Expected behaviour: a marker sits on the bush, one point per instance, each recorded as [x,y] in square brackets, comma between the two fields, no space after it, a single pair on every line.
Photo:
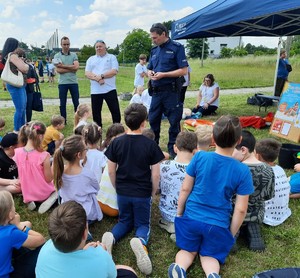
[226,52]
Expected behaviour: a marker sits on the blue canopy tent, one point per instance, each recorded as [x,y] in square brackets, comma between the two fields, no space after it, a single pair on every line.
[228,18]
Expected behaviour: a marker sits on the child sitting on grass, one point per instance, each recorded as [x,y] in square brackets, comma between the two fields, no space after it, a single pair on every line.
[172,173]
[20,245]
[133,167]
[137,95]
[82,114]
[263,182]
[204,137]
[276,209]
[34,168]
[206,224]
[66,253]
[96,160]
[295,183]
[8,168]
[53,137]
[74,182]
[107,196]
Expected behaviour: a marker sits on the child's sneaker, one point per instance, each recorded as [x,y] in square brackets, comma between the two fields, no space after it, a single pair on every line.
[173,237]
[108,241]
[142,258]
[175,271]
[256,242]
[213,275]
[46,205]
[31,205]
[166,225]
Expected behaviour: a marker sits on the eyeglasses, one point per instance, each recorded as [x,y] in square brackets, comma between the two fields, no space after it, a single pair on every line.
[66,44]
[207,80]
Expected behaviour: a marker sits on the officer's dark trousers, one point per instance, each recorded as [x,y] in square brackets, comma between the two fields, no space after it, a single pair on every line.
[167,102]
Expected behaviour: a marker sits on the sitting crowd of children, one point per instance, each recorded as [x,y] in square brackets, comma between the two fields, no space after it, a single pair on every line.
[228,192]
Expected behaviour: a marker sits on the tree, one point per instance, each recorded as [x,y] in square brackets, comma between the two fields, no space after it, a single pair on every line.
[136,42]
[168,24]
[85,52]
[239,51]
[295,48]
[115,51]
[226,52]
[194,48]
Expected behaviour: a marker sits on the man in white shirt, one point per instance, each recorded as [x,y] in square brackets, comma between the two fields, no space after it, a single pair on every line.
[102,69]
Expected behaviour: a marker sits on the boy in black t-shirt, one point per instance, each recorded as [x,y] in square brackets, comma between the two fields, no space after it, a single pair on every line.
[133,167]
[8,168]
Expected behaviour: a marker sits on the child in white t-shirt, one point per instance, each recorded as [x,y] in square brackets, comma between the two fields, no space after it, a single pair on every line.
[172,173]
[276,209]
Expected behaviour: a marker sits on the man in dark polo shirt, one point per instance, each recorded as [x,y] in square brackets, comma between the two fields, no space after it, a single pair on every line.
[166,64]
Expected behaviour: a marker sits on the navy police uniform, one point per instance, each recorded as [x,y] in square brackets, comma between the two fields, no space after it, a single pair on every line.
[165,95]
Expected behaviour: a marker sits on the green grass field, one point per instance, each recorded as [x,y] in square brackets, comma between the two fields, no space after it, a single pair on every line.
[283,242]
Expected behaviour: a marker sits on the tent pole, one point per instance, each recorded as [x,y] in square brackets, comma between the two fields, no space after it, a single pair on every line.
[277,63]
[202,54]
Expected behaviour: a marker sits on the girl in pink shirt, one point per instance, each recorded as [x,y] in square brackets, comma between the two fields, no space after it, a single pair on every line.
[34,168]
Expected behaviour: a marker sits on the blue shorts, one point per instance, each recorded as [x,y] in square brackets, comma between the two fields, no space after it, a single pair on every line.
[295,183]
[205,239]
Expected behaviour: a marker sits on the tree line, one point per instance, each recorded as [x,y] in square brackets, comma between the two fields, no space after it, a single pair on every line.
[138,41]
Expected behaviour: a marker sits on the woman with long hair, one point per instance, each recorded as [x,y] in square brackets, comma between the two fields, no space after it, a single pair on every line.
[18,95]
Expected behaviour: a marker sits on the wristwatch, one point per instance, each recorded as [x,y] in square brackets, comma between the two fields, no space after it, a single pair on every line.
[102,76]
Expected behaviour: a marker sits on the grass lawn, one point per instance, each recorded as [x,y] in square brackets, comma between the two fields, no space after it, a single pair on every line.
[282,242]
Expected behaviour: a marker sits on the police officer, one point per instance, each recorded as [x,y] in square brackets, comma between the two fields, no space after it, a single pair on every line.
[167,63]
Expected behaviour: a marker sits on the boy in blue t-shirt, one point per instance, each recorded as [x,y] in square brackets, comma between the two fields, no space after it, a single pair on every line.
[66,253]
[204,224]
[133,167]
[20,245]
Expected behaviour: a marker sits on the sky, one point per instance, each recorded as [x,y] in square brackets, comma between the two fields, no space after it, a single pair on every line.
[85,21]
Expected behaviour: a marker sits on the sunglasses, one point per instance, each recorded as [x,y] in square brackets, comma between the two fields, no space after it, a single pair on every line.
[101,41]
[206,79]
[66,44]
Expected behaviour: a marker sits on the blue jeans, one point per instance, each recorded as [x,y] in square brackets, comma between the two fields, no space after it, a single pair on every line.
[19,99]
[168,103]
[63,93]
[135,213]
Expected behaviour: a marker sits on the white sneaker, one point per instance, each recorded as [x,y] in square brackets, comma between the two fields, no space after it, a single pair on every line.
[108,241]
[166,225]
[47,204]
[31,205]
[142,258]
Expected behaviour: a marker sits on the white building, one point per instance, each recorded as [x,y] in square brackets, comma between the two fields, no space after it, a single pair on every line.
[217,43]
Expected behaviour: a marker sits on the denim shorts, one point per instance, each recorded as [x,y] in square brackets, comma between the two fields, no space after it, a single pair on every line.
[205,239]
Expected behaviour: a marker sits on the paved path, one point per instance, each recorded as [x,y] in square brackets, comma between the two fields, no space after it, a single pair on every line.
[189,94]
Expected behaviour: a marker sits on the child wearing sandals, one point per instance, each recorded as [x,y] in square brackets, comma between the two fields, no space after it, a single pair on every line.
[205,222]
[20,245]
[73,181]
[34,169]
[107,195]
